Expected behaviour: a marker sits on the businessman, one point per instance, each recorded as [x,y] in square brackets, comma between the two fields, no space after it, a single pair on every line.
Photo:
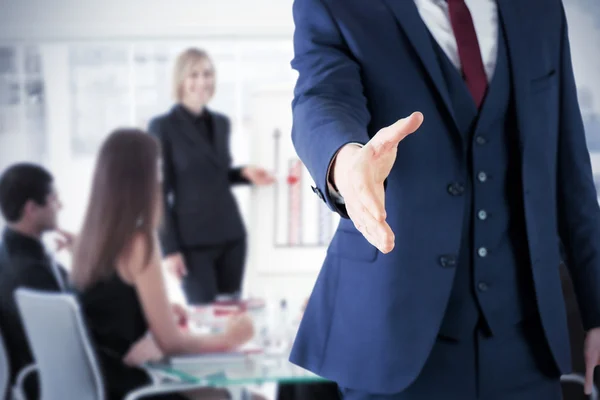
[442,280]
[29,205]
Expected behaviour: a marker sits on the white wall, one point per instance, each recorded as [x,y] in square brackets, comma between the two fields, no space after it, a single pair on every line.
[103,19]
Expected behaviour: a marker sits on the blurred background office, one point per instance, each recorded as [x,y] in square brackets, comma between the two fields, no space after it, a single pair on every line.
[73,71]
[70,72]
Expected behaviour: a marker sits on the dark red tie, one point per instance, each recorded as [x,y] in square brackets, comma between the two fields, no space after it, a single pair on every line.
[468,49]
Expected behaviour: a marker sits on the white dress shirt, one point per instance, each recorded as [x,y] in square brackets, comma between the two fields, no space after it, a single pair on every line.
[434,14]
[485,19]
[56,271]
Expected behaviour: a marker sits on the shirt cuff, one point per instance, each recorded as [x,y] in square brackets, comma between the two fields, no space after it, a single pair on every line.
[333,193]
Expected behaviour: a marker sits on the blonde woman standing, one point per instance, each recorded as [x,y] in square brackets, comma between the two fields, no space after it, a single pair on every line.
[203,238]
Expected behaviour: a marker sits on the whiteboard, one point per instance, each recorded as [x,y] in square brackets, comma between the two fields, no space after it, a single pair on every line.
[289,226]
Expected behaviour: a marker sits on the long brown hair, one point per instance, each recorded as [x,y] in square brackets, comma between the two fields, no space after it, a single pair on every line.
[124,200]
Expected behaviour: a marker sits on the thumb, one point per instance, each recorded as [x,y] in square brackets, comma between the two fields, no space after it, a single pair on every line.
[390,136]
[63,232]
[182,269]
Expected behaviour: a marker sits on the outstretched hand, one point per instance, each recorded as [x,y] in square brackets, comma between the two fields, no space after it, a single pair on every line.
[258,176]
[359,174]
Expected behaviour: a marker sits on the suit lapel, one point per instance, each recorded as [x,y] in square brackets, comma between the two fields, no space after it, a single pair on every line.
[512,18]
[409,19]
[190,132]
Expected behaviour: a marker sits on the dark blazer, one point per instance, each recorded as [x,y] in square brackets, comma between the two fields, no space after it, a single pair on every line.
[372,319]
[23,263]
[200,208]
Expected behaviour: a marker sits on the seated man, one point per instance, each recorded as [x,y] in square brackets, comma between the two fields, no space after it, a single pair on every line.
[29,205]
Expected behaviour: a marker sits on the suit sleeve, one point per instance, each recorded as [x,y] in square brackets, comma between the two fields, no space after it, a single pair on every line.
[578,211]
[236,178]
[169,237]
[329,108]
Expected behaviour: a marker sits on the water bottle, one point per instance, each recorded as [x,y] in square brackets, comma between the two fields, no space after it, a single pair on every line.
[279,336]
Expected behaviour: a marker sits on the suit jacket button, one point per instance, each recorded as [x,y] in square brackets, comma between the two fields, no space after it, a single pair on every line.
[456,189]
[480,140]
[482,177]
[482,215]
[482,252]
[448,261]
[317,191]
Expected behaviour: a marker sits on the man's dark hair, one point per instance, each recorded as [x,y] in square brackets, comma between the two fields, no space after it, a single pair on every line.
[20,183]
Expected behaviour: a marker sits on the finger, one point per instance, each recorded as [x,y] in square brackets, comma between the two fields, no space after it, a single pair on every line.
[390,136]
[182,270]
[371,198]
[176,270]
[182,322]
[172,268]
[379,234]
[364,223]
[66,235]
[357,216]
[178,310]
[590,365]
[383,234]
[182,315]
[386,238]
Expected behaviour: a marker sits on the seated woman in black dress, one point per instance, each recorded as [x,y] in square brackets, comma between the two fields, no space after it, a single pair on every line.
[117,270]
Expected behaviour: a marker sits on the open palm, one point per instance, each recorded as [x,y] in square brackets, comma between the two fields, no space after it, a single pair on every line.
[360,173]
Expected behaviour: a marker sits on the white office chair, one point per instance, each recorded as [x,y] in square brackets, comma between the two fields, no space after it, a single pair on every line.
[4,369]
[65,360]
[17,391]
[580,379]
[67,365]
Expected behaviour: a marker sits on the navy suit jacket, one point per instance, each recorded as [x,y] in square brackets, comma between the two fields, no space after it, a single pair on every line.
[372,319]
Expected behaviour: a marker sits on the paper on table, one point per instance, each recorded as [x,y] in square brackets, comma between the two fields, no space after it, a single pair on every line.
[240,354]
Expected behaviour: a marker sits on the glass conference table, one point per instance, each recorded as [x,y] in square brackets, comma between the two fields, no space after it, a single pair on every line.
[255,365]
[232,372]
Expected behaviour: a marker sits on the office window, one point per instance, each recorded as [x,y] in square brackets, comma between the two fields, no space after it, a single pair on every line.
[101,95]
[22,105]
